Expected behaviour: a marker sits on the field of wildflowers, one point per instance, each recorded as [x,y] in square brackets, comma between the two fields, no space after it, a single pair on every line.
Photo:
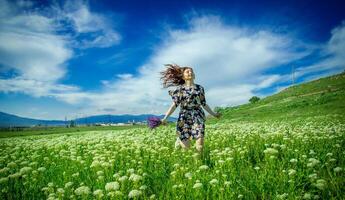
[248,160]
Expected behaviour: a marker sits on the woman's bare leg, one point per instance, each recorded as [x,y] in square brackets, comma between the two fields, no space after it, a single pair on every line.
[199,144]
[177,143]
[185,144]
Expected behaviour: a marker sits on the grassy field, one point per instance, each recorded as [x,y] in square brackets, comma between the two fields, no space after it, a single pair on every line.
[322,97]
[286,146]
[57,130]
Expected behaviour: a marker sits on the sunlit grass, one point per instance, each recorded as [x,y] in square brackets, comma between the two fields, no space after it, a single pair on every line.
[280,160]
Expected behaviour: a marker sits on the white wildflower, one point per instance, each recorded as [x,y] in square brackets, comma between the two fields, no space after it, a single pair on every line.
[134,193]
[83,190]
[112,186]
[214,181]
[197,185]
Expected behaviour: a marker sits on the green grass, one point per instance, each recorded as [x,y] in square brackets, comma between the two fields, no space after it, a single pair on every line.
[322,97]
[248,160]
[59,130]
[286,146]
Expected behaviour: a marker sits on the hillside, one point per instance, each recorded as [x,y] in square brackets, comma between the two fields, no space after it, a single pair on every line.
[324,97]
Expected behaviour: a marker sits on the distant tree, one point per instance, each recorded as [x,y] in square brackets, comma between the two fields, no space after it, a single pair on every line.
[254,99]
[72,123]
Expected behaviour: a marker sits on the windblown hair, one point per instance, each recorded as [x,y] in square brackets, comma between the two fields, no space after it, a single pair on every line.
[172,76]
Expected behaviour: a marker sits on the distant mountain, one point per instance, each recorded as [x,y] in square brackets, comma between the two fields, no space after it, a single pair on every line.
[118,118]
[8,120]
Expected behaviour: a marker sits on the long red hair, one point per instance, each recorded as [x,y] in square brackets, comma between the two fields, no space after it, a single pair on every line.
[173,75]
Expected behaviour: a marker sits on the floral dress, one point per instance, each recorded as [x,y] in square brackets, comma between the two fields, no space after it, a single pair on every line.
[191,119]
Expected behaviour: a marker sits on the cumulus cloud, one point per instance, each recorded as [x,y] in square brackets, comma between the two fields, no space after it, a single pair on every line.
[98,28]
[32,47]
[232,63]
[228,61]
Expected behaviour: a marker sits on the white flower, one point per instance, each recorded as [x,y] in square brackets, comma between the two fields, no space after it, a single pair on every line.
[25,170]
[95,163]
[83,190]
[188,175]
[312,176]
[11,165]
[197,185]
[41,169]
[213,181]
[312,162]
[112,186]
[15,175]
[134,193]
[4,180]
[282,196]
[292,172]
[270,151]
[203,167]
[227,183]
[143,187]
[98,193]
[60,191]
[337,169]
[4,170]
[100,173]
[307,196]
[123,178]
[135,178]
[320,184]
[221,161]
[69,184]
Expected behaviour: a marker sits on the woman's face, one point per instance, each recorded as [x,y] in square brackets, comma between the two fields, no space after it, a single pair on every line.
[188,74]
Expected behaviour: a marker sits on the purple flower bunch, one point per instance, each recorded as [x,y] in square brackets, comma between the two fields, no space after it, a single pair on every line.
[153,122]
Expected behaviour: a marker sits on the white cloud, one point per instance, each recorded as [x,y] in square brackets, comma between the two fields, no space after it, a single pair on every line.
[228,61]
[334,53]
[125,76]
[32,47]
[84,21]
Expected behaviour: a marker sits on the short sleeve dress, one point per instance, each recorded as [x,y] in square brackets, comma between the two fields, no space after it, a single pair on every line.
[191,119]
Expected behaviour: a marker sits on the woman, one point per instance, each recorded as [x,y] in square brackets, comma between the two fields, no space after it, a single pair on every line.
[190,97]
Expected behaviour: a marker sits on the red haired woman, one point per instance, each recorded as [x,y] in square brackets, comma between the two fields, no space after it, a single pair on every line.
[190,97]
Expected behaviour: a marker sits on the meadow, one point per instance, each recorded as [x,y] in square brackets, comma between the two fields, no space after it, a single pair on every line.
[241,160]
[286,146]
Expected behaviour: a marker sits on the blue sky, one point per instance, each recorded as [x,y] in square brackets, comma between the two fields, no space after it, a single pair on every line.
[80,58]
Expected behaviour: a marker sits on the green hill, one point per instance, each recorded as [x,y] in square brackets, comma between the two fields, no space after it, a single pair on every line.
[320,98]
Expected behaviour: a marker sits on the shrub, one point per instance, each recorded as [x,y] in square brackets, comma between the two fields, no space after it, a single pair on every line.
[254,99]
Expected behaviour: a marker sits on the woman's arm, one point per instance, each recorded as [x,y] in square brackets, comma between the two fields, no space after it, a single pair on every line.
[209,110]
[170,111]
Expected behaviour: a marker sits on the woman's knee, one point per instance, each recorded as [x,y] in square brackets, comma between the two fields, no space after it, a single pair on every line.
[199,144]
[185,144]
